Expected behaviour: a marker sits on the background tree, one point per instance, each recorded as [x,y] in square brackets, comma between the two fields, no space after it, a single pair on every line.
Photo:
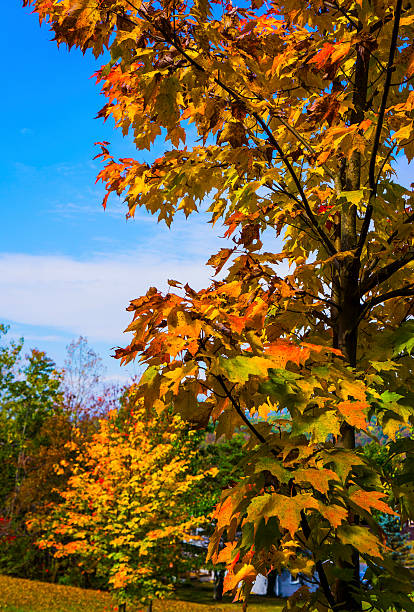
[29,394]
[300,111]
[37,419]
[125,513]
[82,374]
[380,451]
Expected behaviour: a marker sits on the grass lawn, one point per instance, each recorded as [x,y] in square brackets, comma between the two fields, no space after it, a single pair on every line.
[18,595]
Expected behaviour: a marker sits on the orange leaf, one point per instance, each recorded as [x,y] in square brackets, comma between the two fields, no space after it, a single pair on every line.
[323,56]
[223,513]
[247,573]
[282,351]
[371,499]
[364,125]
[318,479]
[354,413]
[334,514]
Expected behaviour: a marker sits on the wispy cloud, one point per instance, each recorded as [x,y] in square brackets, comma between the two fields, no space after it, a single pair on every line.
[83,297]
[89,296]
[78,210]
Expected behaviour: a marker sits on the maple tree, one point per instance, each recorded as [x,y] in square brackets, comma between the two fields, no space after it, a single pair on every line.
[301,110]
[124,513]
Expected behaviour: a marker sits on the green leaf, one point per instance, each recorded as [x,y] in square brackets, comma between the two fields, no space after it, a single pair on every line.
[361,539]
[402,339]
[238,369]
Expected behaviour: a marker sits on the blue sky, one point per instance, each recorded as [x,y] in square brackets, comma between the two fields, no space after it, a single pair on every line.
[67,267]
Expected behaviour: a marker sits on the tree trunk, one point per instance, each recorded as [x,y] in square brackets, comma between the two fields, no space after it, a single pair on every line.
[346,339]
[346,293]
[271,583]
[218,585]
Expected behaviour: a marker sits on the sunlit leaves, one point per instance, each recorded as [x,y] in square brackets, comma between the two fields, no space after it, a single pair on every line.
[124,511]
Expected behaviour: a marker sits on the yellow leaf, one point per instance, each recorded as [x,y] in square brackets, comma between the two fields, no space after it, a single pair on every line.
[361,538]
[247,573]
[403,133]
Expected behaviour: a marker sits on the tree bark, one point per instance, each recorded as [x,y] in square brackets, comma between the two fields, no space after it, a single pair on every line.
[346,293]
[271,583]
[218,585]
[346,339]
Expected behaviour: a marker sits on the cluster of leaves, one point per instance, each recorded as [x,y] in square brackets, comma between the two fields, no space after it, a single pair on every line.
[300,110]
[37,417]
[125,511]
[29,394]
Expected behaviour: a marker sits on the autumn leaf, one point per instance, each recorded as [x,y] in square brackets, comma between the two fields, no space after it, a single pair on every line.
[354,413]
[319,479]
[371,499]
[355,535]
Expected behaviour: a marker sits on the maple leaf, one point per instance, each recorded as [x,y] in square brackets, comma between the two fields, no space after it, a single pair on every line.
[317,478]
[367,542]
[247,572]
[371,499]
[323,56]
[354,413]
[287,509]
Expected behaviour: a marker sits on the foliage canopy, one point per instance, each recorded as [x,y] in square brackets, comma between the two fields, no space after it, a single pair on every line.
[286,117]
[126,512]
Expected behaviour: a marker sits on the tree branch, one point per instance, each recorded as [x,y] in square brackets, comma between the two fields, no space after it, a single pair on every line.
[324,238]
[386,158]
[407,291]
[386,272]
[376,259]
[173,41]
[315,297]
[355,25]
[304,521]
[377,137]
[302,140]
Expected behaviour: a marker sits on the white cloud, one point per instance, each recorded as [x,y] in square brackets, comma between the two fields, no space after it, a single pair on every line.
[62,296]
[84,297]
